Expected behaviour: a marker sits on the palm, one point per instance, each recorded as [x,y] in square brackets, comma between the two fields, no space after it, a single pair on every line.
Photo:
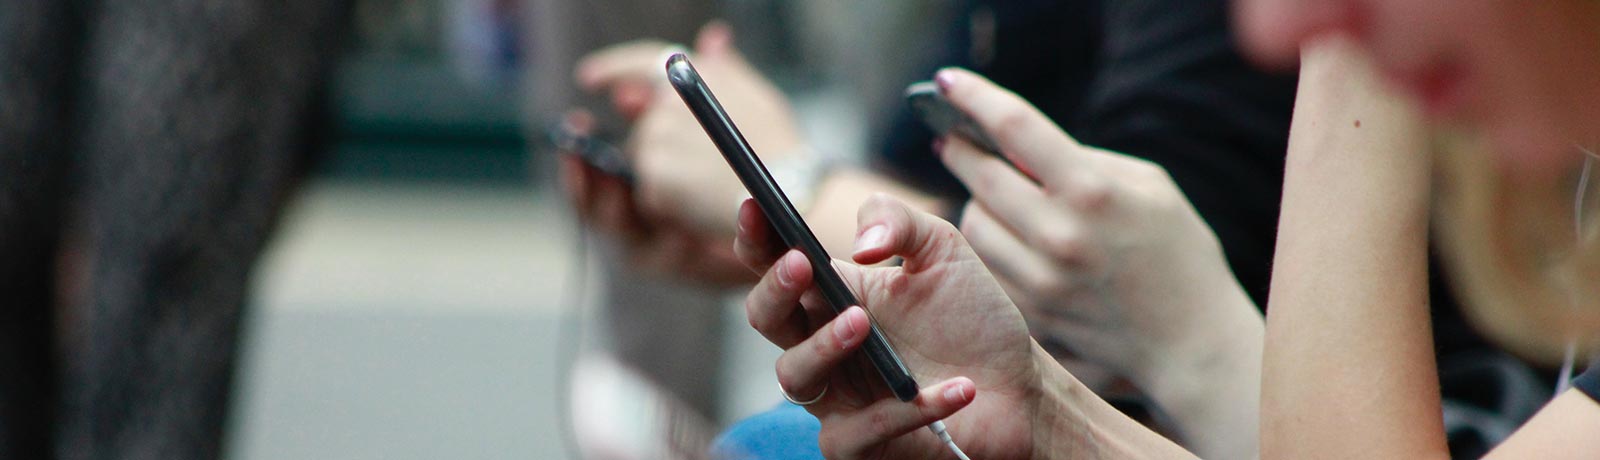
[948,317]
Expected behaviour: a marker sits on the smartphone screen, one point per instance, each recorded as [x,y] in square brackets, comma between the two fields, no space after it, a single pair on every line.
[783,216]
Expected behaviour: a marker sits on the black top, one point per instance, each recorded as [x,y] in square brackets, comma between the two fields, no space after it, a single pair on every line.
[1589,381]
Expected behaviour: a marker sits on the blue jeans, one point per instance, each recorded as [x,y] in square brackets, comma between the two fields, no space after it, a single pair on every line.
[786,432]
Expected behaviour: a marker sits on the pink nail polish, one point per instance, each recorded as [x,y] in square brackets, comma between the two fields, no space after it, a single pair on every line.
[946,79]
[873,238]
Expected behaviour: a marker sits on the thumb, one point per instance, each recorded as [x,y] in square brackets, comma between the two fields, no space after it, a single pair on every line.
[889,227]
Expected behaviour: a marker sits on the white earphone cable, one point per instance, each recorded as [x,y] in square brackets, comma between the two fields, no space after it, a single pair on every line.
[937,427]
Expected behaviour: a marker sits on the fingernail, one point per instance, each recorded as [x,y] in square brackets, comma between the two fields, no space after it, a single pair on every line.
[938,145]
[738,218]
[956,393]
[946,79]
[843,331]
[784,277]
[873,238]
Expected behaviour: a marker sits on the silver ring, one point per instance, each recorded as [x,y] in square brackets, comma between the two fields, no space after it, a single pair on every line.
[806,402]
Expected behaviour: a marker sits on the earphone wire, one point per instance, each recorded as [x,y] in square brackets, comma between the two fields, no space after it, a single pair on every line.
[938,429]
[1570,356]
[569,335]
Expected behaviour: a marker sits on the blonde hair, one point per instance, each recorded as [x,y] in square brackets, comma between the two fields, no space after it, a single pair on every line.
[1520,272]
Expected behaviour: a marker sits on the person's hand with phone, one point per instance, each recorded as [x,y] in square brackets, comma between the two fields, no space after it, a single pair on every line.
[680,176]
[604,202]
[1102,252]
[999,393]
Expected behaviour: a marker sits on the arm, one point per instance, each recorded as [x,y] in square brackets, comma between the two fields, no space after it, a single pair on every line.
[1348,366]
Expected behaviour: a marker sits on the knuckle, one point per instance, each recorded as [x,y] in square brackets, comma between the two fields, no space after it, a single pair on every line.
[1012,123]
[1092,194]
[879,424]
[1044,283]
[1064,245]
[880,200]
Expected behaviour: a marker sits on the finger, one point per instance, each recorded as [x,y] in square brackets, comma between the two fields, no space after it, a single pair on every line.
[996,184]
[805,368]
[575,182]
[639,60]
[1025,135]
[862,431]
[632,98]
[714,39]
[614,211]
[773,305]
[756,243]
[1008,257]
[888,228]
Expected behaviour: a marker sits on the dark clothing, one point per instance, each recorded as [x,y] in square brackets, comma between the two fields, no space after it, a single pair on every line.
[1589,381]
[146,148]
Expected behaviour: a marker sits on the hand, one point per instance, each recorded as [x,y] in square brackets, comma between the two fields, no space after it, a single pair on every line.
[606,204]
[1103,253]
[1101,249]
[681,177]
[945,315]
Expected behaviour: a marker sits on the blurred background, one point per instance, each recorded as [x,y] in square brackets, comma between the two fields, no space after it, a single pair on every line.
[421,296]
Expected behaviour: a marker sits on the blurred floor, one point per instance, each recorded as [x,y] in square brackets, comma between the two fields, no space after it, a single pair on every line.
[406,322]
[414,321]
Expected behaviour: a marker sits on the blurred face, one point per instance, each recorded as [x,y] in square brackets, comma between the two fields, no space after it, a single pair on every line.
[1525,73]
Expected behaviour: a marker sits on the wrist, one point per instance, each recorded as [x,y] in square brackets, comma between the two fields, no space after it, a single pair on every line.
[1209,383]
[1072,422]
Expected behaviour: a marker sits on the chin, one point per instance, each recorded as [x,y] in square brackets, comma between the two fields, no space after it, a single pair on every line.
[1534,150]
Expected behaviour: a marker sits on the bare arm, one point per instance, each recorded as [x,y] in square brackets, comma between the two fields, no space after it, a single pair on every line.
[1563,429]
[838,196]
[1348,367]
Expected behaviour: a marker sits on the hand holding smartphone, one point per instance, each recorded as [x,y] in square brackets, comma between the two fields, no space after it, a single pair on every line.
[576,135]
[784,217]
[944,118]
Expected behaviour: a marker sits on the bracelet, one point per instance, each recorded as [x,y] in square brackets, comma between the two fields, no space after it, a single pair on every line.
[799,173]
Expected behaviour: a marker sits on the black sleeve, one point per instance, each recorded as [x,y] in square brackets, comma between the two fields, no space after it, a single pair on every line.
[1589,381]
[1173,89]
[1044,50]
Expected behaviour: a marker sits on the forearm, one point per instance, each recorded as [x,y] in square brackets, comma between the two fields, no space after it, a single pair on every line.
[1072,422]
[1348,365]
[832,214]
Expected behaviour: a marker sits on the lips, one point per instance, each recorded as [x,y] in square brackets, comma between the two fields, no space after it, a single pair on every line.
[1440,88]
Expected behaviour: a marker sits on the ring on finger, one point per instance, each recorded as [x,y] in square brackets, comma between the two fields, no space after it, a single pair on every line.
[807,402]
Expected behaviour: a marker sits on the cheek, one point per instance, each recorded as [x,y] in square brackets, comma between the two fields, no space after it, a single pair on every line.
[1540,99]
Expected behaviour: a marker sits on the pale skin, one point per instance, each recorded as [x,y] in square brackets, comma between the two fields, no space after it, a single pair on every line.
[1347,369]
[1355,203]
[1105,253]
[1104,216]
[685,192]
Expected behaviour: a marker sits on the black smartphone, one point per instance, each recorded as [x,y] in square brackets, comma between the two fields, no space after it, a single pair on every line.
[783,216]
[943,118]
[592,148]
